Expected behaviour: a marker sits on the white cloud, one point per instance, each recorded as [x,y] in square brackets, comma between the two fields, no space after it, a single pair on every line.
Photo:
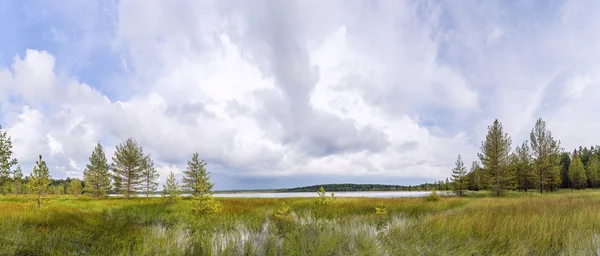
[290,89]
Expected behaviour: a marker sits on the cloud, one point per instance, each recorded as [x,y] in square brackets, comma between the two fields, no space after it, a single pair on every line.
[273,91]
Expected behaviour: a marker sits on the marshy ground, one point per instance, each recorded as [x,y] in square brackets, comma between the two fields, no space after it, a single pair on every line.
[563,223]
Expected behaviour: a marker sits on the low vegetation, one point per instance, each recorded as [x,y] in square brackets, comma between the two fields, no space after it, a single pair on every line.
[520,224]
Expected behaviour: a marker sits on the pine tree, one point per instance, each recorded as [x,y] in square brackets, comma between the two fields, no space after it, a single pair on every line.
[18,181]
[565,161]
[149,176]
[96,175]
[458,177]
[117,184]
[546,152]
[171,189]
[474,177]
[592,172]
[39,181]
[577,172]
[495,153]
[128,165]
[524,171]
[6,160]
[75,187]
[194,173]
[198,181]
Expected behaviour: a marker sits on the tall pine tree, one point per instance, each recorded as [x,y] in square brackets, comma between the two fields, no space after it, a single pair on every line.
[128,165]
[458,177]
[6,159]
[96,174]
[39,181]
[149,176]
[495,153]
[546,157]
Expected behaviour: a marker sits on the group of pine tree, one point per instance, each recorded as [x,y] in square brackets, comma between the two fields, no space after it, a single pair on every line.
[131,172]
[538,164]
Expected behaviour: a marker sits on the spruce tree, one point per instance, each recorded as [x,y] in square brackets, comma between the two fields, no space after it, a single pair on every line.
[592,172]
[458,177]
[149,176]
[565,161]
[128,165]
[546,157]
[6,159]
[577,172]
[495,153]
[18,181]
[171,189]
[197,179]
[39,181]
[96,175]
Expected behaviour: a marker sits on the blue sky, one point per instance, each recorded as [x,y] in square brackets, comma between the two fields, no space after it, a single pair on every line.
[283,94]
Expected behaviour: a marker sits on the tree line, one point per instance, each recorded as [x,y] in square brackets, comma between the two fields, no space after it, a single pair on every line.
[131,172]
[539,164]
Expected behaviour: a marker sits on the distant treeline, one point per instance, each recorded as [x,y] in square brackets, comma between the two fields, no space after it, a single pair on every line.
[358,187]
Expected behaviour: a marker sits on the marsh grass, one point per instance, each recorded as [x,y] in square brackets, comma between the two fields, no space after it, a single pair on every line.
[565,223]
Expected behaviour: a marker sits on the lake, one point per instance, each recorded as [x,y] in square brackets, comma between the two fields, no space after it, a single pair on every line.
[375,194]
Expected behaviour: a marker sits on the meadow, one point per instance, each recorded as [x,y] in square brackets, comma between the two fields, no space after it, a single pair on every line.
[563,223]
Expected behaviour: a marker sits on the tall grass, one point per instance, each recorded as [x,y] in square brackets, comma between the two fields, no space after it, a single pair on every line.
[520,224]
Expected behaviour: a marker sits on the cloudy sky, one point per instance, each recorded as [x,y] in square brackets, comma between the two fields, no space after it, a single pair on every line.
[293,93]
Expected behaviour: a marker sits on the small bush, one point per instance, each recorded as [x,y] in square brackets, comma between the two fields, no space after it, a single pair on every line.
[284,219]
[433,197]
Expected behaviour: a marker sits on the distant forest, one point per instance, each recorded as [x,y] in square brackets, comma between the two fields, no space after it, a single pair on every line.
[358,187]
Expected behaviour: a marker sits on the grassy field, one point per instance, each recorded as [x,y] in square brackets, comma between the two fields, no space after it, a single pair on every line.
[565,223]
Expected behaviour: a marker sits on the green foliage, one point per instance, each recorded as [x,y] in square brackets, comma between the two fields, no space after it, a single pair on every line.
[577,172]
[149,176]
[323,200]
[475,177]
[6,159]
[546,157]
[39,181]
[592,172]
[128,164]
[198,178]
[171,190]
[284,219]
[196,173]
[96,174]
[433,196]
[117,184]
[75,187]
[565,161]
[524,177]
[459,174]
[495,153]
[382,215]
[18,181]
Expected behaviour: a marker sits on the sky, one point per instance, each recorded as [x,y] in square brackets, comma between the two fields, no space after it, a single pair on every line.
[292,93]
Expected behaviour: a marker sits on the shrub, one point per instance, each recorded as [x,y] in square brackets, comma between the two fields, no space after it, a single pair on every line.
[433,197]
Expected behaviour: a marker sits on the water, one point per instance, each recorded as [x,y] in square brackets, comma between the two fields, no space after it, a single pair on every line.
[374,194]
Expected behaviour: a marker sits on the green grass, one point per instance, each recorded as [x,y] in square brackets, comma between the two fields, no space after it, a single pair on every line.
[564,223]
